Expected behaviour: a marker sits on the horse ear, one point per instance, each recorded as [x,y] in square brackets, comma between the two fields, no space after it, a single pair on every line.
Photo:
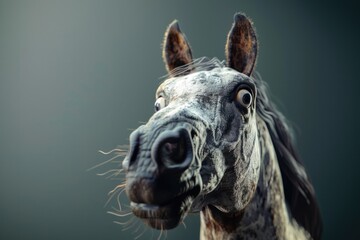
[241,46]
[176,49]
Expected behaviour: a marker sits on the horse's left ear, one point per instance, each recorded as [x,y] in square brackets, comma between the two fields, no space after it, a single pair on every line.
[176,49]
[241,46]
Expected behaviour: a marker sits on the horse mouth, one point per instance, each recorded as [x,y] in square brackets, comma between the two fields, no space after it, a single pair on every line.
[167,215]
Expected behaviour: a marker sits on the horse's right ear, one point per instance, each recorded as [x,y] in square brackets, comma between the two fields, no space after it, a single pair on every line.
[241,46]
[176,49]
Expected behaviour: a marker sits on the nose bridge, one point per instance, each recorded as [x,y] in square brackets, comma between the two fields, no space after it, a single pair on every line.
[193,108]
[205,110]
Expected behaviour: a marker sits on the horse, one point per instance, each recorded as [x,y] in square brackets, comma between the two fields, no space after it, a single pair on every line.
[217,145]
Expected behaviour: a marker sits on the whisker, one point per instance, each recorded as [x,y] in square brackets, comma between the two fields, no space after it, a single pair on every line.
[133,219]
[107,172]
[120,210]
[119,214]
[183,223]
[117,187]
[120,173]
[114,174]
[142,233]
[161,231]
[111,197]
[103,163]
[111,151]
[118,201]
[137,229]
[128,227]
[125,223]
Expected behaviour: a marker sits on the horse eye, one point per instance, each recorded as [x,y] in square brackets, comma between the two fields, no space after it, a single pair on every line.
[159,104]
[244,97]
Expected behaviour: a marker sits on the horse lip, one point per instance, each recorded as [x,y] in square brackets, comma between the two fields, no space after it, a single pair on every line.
[173,208]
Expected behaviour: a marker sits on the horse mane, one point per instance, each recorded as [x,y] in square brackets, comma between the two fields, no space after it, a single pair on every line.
[299,192]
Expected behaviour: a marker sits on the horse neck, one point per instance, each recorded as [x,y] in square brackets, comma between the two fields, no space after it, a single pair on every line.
[266,215]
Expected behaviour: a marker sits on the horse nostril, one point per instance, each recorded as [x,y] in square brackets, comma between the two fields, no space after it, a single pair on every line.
[133,151]
[193,134]
[174,149]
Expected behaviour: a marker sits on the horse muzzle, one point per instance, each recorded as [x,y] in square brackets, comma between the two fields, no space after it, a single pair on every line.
[162,176]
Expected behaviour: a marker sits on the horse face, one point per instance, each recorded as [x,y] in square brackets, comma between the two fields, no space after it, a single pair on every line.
[202,139]
[205,126]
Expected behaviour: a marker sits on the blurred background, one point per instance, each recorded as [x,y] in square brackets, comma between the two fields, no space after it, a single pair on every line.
[77,76]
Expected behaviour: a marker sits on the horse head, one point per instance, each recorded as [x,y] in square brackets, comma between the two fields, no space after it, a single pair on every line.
[200,147]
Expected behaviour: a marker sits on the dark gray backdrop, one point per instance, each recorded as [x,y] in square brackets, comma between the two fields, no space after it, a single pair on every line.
[76,76]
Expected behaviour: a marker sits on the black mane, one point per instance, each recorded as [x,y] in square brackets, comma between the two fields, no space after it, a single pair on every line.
[299,192]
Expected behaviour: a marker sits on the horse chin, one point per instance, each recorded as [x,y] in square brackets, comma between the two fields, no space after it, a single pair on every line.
[168,215]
